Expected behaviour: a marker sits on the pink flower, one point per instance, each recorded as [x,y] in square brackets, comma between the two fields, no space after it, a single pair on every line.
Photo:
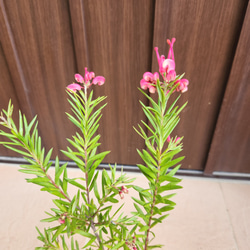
[167,66]
[169,139]
[88,79]
[61,221]
[177,139]
[171,49]
[160,61]
[88,76]
[79,78]
[182,87]
[74,87]
[62,218]
[124,190]
[149,81]
[121,195]
[98,80]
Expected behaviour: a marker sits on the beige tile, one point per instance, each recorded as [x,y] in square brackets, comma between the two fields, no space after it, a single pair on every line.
[199,221]
[237,199]
[22,206]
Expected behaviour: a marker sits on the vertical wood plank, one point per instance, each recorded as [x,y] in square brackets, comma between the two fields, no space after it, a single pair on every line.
[230,148]
[12,61]
[119,41]
[78,21]
[207,34]
[43,42]
[7,91]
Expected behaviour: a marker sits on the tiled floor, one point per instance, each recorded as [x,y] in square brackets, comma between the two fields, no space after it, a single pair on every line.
[211,214]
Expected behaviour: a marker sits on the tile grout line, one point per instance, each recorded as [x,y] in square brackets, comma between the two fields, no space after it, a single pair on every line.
[229,217]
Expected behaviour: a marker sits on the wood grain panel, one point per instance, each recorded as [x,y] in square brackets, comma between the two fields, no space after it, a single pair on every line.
[78,21]
[119,42]
[6,91]
[11,64]
[43,42]
[230,149]
[207,34]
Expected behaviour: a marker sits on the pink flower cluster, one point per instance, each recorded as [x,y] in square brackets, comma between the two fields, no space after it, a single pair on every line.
[88,79]
[62,218]
[132,244]
[149,81]
[176,140]
[167,71]
[123,191]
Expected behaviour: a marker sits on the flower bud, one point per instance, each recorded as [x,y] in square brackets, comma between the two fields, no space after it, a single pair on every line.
[121,195]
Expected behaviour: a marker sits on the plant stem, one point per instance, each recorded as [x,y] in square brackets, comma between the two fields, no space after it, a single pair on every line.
[151,214]
[160,148]
[92,224]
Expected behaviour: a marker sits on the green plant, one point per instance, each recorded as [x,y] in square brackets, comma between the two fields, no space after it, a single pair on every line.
[88,212]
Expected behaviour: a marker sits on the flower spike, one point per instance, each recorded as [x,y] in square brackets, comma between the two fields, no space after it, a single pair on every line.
[88,79]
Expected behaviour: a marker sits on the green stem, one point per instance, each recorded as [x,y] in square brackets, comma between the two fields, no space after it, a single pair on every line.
[151,211]
[92,224]
[160,148]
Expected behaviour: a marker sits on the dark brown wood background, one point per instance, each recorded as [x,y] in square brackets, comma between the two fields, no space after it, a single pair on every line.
[44,43]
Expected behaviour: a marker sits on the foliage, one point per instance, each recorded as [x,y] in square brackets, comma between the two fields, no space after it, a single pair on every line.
[89,212]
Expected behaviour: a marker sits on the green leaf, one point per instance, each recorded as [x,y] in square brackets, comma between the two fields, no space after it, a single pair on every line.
[58,232]
[83,233]
[167,164]
[64,243]
[146,171]
[140,202]
[18,151]
[174,170]
[144,228]
[111,199]
[59,170]
[73,157]
[140,212]
[73,182]
[65,183]
[90,242]
[60,205]
[120,244]
[169,186]
[49,219]
[97,195]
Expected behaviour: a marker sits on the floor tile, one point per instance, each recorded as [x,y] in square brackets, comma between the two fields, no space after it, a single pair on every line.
[237,199]
[211,214]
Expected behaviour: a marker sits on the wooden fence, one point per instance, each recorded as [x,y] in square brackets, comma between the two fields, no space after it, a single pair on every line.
[44,42]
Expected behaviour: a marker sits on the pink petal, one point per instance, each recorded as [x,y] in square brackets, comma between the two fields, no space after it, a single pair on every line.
[171,75]
[160,60]
[98,80]
[121,195]
[156,76]
[74,87]
[169,139]
[185,82]
[144,84]
[168,65]
[152,89]
[157,55]
[61,221]
[148,76]
[171,49]
[79,78]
